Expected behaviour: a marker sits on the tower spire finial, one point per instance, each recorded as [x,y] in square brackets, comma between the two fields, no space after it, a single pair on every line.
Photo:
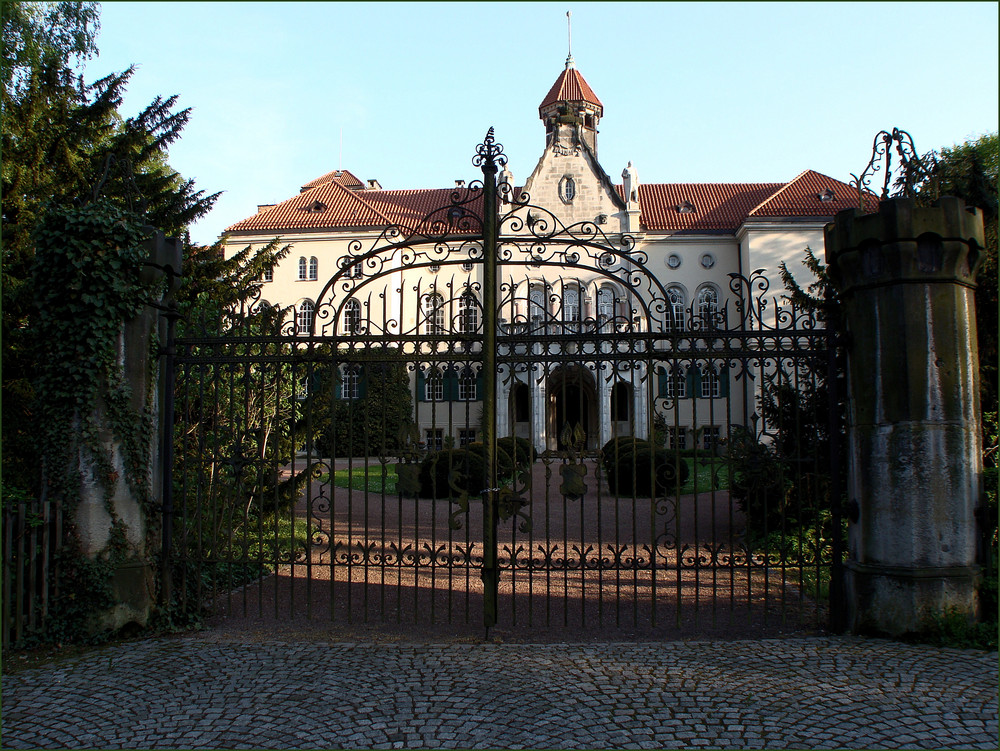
[569,30]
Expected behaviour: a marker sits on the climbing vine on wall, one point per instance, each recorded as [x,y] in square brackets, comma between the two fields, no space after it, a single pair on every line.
[88,281]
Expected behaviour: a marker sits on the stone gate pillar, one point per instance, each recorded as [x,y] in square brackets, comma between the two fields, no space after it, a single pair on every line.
[906,277]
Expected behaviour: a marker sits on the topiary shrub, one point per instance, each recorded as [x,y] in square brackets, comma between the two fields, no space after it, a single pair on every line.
[515,453]
[637,467]
[512,454]
[463,467]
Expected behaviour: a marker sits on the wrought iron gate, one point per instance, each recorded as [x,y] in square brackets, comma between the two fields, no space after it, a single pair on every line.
[490,417]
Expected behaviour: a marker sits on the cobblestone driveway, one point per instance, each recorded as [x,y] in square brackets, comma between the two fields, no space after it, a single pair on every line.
[818,692]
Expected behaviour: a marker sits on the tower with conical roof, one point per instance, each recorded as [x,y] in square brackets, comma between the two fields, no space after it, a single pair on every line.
[571,109]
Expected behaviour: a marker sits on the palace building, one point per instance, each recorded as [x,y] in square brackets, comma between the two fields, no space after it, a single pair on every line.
[685,239]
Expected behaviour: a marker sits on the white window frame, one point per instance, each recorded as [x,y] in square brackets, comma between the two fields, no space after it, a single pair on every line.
[708,306]
[572,304]
[675,298]
[434,438]
[605,304]
[711,436]
[466,436]
[304,316]
[711,384]
[536,304]
[434,386]
[467,387]
[433,309]
[313,269]
[676,385]
[350,388]
[351,322]
[303,269]
[468,313]
[677,437]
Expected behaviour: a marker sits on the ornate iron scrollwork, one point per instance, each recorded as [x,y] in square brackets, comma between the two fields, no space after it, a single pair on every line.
[915,169]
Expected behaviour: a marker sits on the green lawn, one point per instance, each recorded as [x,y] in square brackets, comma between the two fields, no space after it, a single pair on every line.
[364,478]
[705,475]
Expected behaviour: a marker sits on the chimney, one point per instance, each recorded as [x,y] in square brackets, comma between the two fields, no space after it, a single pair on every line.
[373,185]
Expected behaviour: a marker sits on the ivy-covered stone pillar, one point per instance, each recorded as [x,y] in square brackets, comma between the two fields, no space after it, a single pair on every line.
[98,280]
[906,278]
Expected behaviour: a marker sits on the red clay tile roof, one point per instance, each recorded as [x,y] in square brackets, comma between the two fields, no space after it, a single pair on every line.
[570,87]
[332,206]
[344,177]
[717,206]
[725,206]
[803,197]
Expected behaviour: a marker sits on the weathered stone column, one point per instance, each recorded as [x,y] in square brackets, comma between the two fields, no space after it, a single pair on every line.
[906,277]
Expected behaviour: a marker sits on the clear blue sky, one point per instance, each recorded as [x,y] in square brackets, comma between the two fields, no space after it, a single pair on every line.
[713,92]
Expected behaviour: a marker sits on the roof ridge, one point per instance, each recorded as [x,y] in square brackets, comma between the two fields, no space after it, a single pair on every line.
[356,195]
[787,186]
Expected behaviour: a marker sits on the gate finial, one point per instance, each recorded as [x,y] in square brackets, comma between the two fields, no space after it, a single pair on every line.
[489,152]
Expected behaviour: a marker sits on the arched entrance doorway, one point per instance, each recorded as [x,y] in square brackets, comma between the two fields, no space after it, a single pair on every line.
[572,403]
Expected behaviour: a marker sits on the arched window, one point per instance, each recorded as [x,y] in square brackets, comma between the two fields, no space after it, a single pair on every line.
[434,386]
[302,268]
[708,307]
[352,317]
[314,268]
[468,313]
[536,305]
[353,269]
[433,313]
[605,305]
[304,317]
[621,398]
[351,386]
[467,386]
[675,316]
[571,304]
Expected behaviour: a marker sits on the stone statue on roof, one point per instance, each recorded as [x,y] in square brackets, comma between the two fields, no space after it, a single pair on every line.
[630,178]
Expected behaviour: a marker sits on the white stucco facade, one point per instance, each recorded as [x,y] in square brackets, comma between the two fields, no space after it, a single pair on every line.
[688,238]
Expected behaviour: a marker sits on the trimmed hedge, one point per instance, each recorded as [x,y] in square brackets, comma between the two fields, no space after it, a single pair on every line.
[512,454]
[633,466]
[463,466]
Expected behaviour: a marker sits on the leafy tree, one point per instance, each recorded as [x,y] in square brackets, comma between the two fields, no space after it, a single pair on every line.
[783,485]
[971,171]
[37,35]
[63,144]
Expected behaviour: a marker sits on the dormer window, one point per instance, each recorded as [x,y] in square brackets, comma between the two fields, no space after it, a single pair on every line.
[827,196]
[316,207]
[685,207]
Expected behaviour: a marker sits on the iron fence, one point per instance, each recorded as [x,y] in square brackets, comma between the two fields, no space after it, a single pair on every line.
[489,417]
